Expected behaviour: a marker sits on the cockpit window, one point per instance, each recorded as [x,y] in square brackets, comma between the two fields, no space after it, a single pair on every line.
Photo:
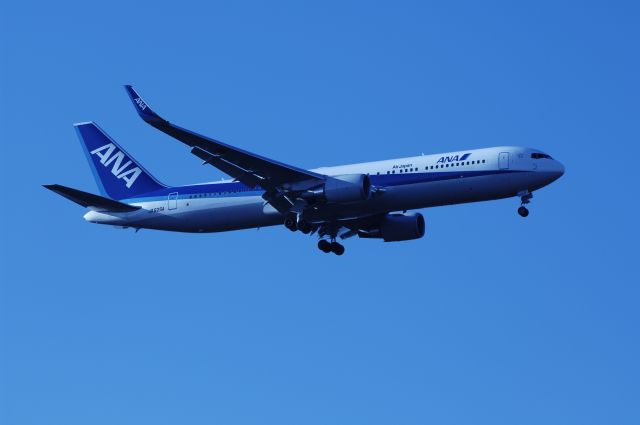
[537,155]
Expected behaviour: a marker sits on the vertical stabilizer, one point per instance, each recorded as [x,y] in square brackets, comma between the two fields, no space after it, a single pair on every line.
[117,174]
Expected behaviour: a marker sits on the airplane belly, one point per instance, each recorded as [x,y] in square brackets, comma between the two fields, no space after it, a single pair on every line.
[212,215]
[459,190]
[236,214]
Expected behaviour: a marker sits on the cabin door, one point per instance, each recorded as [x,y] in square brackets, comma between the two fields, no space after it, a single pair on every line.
[172,201]
[503,161]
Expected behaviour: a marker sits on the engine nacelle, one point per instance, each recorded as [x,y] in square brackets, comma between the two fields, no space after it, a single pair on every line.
[343,189]
[398,227]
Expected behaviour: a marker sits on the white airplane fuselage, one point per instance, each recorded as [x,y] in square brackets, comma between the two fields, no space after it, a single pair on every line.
[404,184]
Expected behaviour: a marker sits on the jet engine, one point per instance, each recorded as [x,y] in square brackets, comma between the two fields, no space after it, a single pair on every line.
[397,227]
[342,189]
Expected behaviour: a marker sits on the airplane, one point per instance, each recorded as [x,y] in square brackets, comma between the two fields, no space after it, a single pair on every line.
[369,200]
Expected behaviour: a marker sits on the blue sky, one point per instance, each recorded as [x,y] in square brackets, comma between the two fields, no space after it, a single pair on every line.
[490,319]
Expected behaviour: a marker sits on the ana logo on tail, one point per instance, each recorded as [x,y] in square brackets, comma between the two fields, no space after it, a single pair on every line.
[108,155]
[140,103]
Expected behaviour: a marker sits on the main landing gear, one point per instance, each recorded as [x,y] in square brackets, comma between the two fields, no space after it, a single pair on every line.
[294,223]
[327,247]
[291,222]
[525,198]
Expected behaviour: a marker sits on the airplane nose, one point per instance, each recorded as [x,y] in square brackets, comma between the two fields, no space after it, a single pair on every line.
[555,171]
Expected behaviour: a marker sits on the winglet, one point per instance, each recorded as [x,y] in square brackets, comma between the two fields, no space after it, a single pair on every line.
[141,107]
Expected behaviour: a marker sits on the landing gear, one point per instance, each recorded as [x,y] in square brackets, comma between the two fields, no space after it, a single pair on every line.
[327,247]
[525,198]
[336,248]
[324,246]
[291,222]
[523,211]
[304,227]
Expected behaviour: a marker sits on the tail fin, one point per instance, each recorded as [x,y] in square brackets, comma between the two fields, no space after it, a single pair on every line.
[117,174]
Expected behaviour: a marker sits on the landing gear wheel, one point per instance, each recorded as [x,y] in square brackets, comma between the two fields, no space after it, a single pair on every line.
[336,248]
[324,246]
[523,211]
[304,227]
[291,223]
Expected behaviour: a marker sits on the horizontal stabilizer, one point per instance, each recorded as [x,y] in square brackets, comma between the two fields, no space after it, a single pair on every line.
[89,200]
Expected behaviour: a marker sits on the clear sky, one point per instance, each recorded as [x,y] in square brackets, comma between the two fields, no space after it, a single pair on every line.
[490,319]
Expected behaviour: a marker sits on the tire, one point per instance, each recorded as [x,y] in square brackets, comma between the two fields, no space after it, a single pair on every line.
[324,246]
[336,248]
[290,223]
[523,211]
[304,227]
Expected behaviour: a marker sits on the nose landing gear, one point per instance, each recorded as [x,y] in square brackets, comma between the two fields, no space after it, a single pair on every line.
[523,211]
[525,198]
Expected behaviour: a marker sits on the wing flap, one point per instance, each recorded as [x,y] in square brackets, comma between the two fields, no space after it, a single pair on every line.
[246,177]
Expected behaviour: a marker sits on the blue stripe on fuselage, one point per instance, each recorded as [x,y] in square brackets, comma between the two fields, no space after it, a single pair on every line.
[236,189]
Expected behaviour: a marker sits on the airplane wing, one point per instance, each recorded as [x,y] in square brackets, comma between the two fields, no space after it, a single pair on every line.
[248,168]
